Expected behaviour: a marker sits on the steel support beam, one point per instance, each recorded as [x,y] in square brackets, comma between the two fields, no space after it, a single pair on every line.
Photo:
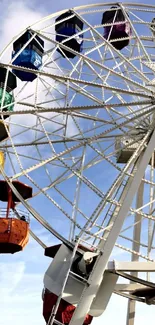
[133,267]
[136,247]
[106,247]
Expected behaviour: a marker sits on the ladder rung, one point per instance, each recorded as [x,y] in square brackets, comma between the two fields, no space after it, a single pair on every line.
[78,277]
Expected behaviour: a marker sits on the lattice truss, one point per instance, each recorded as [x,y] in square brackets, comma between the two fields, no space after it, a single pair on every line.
[71,127]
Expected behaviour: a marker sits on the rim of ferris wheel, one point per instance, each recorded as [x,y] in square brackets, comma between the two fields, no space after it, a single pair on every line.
[28,51]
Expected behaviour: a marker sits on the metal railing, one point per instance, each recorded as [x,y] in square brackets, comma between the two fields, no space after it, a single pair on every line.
[16,214]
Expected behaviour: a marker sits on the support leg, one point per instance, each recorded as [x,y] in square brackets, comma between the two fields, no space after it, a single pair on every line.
[96,276]
[135,247]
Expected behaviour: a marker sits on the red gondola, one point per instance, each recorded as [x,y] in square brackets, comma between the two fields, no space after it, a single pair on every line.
[65,310]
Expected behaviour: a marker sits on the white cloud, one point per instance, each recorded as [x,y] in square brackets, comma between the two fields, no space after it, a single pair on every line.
[25,303]
[9,279]
[18,17]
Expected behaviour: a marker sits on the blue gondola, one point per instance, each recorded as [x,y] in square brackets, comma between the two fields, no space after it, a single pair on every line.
[120,27]
[30,56]
[66,29]
[11,84]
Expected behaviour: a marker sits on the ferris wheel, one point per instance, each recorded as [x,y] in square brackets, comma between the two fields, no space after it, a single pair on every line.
[77,134]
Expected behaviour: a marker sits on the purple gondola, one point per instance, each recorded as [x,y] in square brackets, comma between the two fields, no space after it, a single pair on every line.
[119,27]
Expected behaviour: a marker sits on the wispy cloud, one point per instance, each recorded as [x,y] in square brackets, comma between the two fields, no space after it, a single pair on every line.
[9,280]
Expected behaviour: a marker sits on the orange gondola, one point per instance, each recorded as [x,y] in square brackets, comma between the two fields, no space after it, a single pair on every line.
[14,233]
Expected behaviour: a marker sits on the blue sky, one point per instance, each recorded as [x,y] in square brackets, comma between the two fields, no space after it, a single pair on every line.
[21,275]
